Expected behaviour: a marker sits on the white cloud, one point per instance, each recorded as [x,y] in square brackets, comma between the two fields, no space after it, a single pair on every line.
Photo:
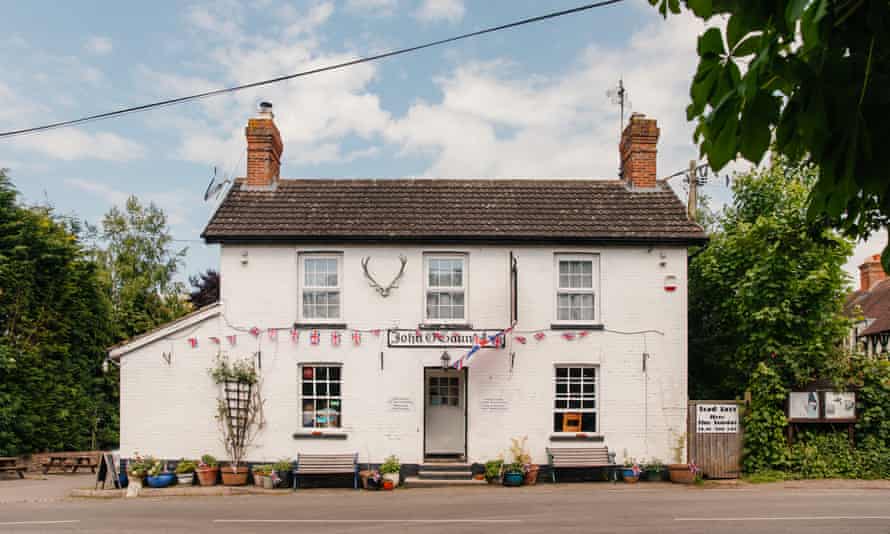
[98,45]
[375,7]
[75,144]
[177,204]
[450,10]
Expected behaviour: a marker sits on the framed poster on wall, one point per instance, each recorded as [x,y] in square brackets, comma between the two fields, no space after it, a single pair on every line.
[840,405]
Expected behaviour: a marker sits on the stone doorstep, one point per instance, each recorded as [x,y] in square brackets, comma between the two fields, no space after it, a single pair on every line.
[174,491]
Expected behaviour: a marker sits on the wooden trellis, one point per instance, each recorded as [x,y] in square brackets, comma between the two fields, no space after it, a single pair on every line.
[238,396]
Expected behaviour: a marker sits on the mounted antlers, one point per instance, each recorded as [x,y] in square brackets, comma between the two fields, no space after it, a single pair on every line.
[384,291]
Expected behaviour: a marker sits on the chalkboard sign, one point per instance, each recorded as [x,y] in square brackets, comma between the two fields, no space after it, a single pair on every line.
[109,470]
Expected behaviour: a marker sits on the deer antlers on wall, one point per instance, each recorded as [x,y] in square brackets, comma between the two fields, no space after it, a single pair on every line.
[384,291]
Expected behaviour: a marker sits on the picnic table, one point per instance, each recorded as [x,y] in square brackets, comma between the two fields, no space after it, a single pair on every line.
[75,462]
[10,464]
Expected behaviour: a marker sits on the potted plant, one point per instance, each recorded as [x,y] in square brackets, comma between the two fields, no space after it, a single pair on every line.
[239,414]
[683,473]
[654,470]
[262,473]
[631,471]
[207,470]
[494,470]
[514,473]
[158,476]
[185,472]
[390,469]
[281,473]
[522,456]
[137,469]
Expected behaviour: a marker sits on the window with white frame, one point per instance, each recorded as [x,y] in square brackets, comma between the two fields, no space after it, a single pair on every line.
[321,286]
[446,288]
[574,403]
[576,288]
[321,395]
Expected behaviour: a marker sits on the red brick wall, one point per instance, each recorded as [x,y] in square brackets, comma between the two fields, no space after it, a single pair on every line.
[264,148]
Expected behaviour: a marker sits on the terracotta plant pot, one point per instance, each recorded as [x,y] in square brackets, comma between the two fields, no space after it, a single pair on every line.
[259,480]
[681,474]
[207,475]
[531,476]
[234,477]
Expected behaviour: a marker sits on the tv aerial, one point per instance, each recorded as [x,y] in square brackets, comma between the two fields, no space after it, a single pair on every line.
[215,187]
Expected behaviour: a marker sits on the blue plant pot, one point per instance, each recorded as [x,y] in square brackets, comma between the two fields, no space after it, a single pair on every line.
[161,481]
[513,479]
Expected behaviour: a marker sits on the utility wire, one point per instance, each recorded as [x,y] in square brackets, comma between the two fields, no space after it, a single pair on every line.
[365,59]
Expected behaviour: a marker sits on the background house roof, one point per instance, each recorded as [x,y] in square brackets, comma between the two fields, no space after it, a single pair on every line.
[540,210]
[873,304]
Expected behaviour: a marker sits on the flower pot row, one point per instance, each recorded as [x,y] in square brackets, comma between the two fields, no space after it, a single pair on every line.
[677,473]
[154,474]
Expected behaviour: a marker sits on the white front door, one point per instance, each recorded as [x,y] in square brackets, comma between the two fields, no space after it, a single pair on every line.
[445,412]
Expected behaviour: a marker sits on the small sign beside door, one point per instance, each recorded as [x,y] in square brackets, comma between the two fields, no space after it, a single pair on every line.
[717,419]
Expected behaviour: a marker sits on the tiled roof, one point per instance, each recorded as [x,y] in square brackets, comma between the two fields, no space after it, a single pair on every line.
[452,210]
[873,304]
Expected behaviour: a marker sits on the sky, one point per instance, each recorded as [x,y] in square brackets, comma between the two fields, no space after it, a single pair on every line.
[526,102]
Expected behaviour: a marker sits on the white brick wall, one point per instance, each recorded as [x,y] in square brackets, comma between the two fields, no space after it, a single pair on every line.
[168,410]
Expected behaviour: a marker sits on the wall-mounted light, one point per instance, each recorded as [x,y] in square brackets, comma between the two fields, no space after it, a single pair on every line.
[243,257]
[445,360]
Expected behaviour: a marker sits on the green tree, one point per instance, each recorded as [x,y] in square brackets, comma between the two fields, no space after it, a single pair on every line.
[54,328]
[814,71]
[765,288]
[140,266]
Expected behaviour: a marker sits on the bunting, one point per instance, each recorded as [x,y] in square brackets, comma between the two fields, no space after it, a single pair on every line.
[314,338]
[335,338]
[233,339]
[356,337]
[214,339]
[539,336]
[294,335]
[255,332]
[193,341]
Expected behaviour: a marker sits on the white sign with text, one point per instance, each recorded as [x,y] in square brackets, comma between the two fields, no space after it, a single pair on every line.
[717,419]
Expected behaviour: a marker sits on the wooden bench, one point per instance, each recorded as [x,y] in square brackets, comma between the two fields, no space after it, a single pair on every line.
[580,458]
[11,465]
[327,464]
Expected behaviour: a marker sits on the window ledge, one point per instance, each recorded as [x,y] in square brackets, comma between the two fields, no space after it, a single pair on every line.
[319,435]
[329,326]
[579,436]
[577,326]
[445,326]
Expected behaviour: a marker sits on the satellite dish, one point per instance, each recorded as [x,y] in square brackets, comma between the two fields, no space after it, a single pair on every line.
[214,188]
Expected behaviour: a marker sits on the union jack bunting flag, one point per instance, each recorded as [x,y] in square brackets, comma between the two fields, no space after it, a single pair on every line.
[193,341]
[273,334]
[232,339]
[568,336]
[356,337]
[294,335]
[438,336]
[539,336]
[459,364]
[255,331]
[376,332]
[214,339]
[521,339]
[315,337]
[335,338]
[583,333]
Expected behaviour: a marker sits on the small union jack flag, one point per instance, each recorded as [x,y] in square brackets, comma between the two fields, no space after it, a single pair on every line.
[438,336]
[693,467]
[232,339]
[583,333]
[255,331]
[214,339]
[539,336]
[568,336]
[459,364]
[356,337]
[335,338]
[521,339]
[636,470]
[315,337]
[376,332]
[273,333]
[193,341]
[294,335]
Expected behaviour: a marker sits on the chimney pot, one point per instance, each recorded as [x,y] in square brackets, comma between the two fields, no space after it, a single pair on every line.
[264,149]
[871,273]
[639,151]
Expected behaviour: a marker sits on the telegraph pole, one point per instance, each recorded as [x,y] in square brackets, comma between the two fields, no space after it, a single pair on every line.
[692,202]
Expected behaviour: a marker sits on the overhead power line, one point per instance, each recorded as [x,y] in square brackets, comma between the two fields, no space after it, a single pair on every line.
[365,59]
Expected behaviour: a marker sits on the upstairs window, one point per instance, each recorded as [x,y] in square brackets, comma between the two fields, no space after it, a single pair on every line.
[576,288]
[446,288]
[321,287]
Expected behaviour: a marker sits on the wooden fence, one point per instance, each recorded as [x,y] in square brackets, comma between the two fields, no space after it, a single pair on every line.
[714,437]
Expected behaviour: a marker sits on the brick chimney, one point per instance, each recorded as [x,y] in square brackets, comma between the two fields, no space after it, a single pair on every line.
[638,151]
[871,273]
[264,149]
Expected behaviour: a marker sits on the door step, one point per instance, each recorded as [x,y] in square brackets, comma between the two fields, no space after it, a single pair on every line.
[444,475]
[416,482]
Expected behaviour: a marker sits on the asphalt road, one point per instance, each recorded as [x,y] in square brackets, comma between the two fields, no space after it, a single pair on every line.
[549,509]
